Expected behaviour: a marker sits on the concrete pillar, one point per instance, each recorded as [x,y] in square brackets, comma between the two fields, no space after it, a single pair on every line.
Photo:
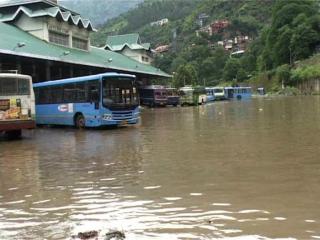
[71,71]
[18,66]
[35,77]
[60,72]
[48,71]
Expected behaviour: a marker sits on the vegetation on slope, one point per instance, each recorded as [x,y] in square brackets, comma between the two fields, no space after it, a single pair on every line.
[283,32]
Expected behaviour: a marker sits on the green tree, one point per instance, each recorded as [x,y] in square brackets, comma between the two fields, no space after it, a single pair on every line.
[293,34]
[283,74]
[230,71]
[186,75]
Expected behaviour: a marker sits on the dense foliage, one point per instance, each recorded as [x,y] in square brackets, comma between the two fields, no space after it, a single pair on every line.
[282,33]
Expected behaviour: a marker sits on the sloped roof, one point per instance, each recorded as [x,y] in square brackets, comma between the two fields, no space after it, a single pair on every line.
[9,13]
[119,42]
[17,42]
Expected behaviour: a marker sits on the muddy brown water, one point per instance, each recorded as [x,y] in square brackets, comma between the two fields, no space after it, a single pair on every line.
[238,170]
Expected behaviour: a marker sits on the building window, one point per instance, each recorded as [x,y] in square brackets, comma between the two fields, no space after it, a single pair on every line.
[59,38]
[80,43]
[145,59]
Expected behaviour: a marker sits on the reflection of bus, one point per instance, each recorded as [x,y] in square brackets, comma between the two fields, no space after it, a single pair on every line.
[219,93]
[173,96]
[153,95]
[238,92]
[17,108]
[192,95]
[90,101]
[210,94]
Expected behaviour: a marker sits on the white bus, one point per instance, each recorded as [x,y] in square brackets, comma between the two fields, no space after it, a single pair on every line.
[219,93]
[17,104]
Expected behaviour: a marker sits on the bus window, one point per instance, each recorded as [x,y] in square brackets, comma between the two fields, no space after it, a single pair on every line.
[8,86]
[23,86]
[93,91]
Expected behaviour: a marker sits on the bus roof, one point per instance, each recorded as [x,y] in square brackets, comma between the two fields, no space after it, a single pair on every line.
[14,75]
[237,87]
[154,87]
[82,79]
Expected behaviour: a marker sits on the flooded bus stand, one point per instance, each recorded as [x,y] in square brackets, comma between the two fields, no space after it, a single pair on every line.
[242,168]
[229,169]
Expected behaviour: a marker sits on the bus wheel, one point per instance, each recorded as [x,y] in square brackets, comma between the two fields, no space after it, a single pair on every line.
[14,134]
[80,121]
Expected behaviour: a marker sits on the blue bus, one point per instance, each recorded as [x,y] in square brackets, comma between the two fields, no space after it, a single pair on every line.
[90,101]
[238,92]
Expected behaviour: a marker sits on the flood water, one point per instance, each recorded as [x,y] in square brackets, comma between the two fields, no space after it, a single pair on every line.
[238,170]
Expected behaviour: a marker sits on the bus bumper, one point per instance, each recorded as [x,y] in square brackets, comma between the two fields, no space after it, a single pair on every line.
[124,122]
[10,125]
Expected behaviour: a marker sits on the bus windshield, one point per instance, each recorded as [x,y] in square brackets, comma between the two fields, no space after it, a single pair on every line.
[14,86]
[218,90]
[119,91]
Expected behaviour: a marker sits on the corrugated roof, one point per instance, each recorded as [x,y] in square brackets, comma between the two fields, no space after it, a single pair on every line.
[119,42]
[51,11]
[17,42]
[11,3]
[123,39]
[132,41]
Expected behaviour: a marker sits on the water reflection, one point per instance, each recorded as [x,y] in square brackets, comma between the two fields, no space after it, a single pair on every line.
[238,170]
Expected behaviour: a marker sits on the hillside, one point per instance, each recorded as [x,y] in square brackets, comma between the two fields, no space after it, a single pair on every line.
[201,35]
[99,11]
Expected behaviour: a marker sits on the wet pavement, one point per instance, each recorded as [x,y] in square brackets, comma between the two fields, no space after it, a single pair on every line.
[239,169]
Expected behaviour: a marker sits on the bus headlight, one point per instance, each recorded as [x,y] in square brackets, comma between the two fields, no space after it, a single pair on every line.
[107,116]
[136,114]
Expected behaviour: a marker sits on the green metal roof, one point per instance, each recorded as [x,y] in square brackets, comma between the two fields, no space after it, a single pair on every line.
[123,39]
[15,41]
[132,41]
[10,14]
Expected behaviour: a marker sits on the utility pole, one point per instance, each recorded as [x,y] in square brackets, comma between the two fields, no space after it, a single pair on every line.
[174,41]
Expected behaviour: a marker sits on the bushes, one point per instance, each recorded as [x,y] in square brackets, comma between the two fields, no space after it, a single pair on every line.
[306,73]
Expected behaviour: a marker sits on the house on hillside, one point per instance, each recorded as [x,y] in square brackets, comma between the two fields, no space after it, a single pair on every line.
[47,41]
[214,27]
[130,45]
[161,22]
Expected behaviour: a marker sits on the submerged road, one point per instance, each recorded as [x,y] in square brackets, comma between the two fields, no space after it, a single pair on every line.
[239,169]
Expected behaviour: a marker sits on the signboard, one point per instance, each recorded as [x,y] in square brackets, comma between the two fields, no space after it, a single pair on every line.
[10,109]
[66,108]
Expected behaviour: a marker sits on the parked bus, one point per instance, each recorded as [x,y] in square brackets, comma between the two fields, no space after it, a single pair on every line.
[17,104]
[153,96]
[192,95]
[219,93]
[238,92]
[210,94]
[173,97]
[90,101]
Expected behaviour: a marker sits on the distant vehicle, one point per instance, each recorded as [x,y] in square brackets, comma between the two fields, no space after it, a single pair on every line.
[261,91]
[90,101]
[173,97]
[192,95]
[238,92]
[17,104]
[210,94]
[153,96]
[219,93]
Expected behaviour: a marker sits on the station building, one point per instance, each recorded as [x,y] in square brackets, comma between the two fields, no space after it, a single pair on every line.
[130,45]
[49,42]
